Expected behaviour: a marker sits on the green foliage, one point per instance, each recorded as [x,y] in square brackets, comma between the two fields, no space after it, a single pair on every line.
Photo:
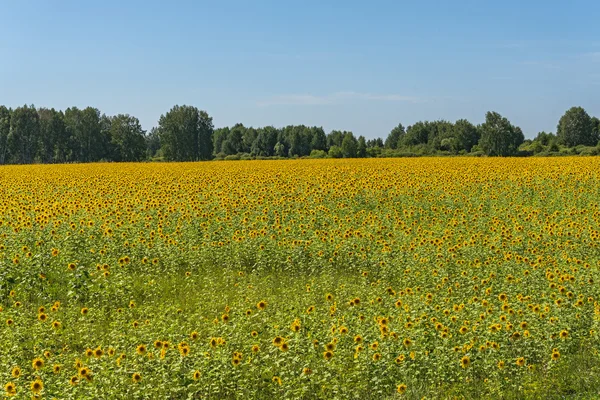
[499,137]
[186,134]
[349,145]
[395,137]
[127,138]
[24,134]
[576,127]
[336,152]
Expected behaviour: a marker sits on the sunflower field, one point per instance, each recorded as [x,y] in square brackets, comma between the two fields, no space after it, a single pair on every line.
[334,279]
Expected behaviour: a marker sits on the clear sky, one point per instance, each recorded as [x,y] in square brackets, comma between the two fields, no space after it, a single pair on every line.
[362,65]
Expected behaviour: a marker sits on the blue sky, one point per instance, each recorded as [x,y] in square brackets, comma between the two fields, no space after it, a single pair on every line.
[363,66]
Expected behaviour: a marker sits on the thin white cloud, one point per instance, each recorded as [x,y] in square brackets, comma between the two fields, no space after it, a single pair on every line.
[334,98]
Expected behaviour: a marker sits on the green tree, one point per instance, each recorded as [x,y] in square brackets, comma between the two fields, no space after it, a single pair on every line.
[152,142]
[53,138]
[319,139]
[250,135]
[219,136]
[575,127]
[596,130]
[235,140]
[498,136]
[5,114]
[416,134]
[24,134]
[265,141]
[349,145]
[466,135]
[395,137]
[279,149]
[186,134]
[361,149]
[334,138]
[127,138]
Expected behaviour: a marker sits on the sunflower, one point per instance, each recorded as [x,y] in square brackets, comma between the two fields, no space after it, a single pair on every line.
[564,334]
[84,311]
[194,335]
[196,375]
[261,305]
[555,354]
[328,355]
[278,341]
[401,388]
[255,348]
[56,369]
[465,361]
[98,352]
[136,377]
[520,361]
[15,372]
[37,386]
[277,380]
[184,350]
[11,389]
[376,356]
[37,363]
[56,324]
[141,349]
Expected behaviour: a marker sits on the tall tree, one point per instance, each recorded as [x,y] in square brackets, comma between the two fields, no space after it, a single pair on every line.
[466,135]
[349,145]
[334,138]
[395,137]
[152,142]
[249,136]
[127,138]
[5,114]
[319,139]
[52,138]
[186,134]
[219,136]
[498,136]
[361,149]
[596,126]
[265,142]
[235,140]
[417,133]
[575,127]
[24,134]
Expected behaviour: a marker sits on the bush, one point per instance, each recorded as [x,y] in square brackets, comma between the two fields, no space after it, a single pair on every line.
[318,154]
[232,157]
[336,152]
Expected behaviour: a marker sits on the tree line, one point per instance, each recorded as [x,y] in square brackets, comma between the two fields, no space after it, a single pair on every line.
[185,133]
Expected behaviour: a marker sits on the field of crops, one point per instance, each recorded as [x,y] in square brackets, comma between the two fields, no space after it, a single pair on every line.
[404,278]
